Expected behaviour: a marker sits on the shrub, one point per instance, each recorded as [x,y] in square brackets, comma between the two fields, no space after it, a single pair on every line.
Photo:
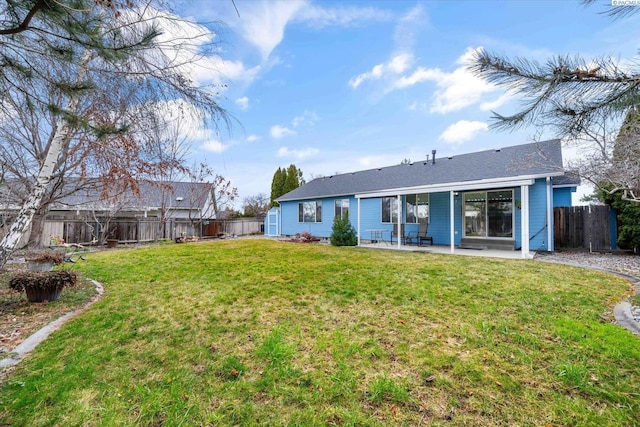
[628,220]
[54,256]
[43,279]
[342,232]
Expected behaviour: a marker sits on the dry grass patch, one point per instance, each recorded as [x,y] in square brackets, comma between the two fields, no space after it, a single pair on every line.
[19,318]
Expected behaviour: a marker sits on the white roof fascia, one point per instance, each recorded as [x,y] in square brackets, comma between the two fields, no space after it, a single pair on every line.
[565,185]
[332,196]
[456,186]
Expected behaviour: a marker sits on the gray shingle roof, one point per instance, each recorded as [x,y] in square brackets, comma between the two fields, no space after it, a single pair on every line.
[535,159]
[193,194]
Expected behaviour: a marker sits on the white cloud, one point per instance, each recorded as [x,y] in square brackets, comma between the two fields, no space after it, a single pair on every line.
[219,71]
[298,154]
[408,27]
[406,31]
[278,131]
[214,146]
[243,103]
[456,90]
[253,138]
[263,23]
[492,105]
[308,118]
[185,46]
[418,106]
[462,131]
[320,17]
[396,65]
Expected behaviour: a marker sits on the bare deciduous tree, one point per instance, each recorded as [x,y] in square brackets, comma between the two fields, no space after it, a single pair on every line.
[256,205]
[98,69]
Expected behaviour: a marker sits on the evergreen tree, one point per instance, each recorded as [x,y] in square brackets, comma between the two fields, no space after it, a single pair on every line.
[285,180]
[342,232]
[628,214]
[292,180]
[277,185]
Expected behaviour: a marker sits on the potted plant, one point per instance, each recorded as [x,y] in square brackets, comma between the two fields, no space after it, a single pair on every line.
[43,286]
[43,260]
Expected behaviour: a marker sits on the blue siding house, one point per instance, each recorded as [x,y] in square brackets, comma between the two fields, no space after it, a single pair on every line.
[497,199]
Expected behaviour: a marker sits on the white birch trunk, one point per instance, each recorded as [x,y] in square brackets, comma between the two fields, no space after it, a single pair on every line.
[21,224]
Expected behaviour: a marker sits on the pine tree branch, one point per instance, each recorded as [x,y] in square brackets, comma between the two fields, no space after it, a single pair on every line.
[24,25]
[564,92]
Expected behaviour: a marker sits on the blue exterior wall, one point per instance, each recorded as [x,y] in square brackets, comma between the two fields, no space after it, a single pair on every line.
[371,216]
[538,226]
[562,196]
[291,226]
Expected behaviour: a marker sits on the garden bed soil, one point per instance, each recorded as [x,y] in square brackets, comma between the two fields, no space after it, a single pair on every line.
[20,318]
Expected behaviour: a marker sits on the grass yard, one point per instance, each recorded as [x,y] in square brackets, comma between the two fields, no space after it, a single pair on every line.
[257,332]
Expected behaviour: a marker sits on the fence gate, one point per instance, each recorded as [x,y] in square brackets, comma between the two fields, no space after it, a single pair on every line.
[582,227]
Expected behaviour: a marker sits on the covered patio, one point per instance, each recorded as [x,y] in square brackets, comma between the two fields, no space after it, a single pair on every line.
[446,250]
[447,207]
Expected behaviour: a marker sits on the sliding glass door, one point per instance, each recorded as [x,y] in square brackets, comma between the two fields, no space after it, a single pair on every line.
[488,214]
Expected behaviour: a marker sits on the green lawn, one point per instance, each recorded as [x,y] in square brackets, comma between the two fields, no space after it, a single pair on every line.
[257,332]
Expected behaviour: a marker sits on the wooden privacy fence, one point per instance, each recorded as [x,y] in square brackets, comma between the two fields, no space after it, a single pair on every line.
[235,227]
[582,227]
[146,230]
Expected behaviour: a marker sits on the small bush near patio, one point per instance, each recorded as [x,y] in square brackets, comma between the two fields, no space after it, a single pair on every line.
[259,332]
[342,232]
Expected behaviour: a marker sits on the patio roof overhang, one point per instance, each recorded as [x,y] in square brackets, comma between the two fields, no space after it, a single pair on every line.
[458,186]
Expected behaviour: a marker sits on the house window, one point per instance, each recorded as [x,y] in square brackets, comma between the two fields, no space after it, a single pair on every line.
[342,208]
[488,214]
[417,210]
[310,212]
[390,209]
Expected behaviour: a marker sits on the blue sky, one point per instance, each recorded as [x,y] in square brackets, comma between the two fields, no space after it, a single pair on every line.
[338,86]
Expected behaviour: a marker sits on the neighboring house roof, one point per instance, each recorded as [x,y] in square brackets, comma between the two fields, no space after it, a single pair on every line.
[527,161]
[181,195]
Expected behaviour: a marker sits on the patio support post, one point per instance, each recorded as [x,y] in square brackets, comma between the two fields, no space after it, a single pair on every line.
[398,222]
[358,199]
[452,222]
[550,247]
[524,218]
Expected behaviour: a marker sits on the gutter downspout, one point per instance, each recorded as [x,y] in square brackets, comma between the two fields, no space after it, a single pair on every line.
[399,219]
[358,221]
[452,220]
[550,226]
[524,219]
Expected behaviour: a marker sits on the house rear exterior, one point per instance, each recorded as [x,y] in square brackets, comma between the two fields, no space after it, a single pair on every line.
[501,199]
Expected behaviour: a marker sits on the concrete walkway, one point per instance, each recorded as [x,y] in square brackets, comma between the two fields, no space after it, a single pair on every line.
[446,250]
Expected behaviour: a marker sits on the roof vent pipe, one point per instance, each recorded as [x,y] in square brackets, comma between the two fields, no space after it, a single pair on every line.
[433,159]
